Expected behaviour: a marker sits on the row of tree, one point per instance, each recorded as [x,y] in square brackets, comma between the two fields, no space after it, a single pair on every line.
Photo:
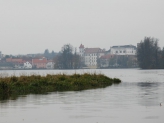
[149,54]
[123,61]
[67,58]
[49,55]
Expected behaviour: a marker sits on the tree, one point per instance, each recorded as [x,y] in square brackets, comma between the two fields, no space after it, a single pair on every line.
[122,61]
[67,59]
[148,53]
[46,54]
[52,54]
[49,55]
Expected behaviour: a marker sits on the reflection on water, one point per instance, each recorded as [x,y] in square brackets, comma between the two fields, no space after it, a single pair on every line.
[152,93]
[136,99]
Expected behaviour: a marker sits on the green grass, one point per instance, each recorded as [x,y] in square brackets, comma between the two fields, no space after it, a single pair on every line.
[12,86]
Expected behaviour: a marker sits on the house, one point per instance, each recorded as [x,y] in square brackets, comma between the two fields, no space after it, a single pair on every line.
[18,66]
[6,65]
[104,60]
[89,56]
[27,65]
[123,50]
[50,64]
[39,63]
[15,60]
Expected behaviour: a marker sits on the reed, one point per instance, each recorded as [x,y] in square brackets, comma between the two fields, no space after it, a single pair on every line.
[26,84]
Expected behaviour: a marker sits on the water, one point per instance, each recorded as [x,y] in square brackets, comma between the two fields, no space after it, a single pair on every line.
[136,99]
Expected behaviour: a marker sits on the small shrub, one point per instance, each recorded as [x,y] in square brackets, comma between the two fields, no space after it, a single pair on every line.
[116,81]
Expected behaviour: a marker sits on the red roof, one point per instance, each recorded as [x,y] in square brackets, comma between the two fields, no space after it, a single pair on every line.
[81,46]
[15,60]
[108,56]
[93,50]
[42,60]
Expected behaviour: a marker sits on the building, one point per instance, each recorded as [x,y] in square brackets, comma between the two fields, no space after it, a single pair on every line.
[123,50]
[81,50]
[50,64]
[15,60]
[27,65]
[39,63]
[104,60]
[89,56]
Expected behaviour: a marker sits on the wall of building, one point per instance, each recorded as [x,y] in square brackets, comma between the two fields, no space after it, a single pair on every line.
[123,51]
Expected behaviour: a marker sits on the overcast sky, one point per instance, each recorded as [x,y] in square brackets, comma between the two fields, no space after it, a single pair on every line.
[31,26]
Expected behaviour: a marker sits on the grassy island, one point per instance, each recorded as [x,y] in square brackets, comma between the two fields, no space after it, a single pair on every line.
[37,84]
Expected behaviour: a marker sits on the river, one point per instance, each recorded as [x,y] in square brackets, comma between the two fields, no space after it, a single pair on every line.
[136,100]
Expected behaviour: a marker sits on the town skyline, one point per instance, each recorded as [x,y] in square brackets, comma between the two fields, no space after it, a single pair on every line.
[77,49]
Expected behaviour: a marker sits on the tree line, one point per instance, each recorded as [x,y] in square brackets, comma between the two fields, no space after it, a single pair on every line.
[67,58]
[149,54]
[49,55]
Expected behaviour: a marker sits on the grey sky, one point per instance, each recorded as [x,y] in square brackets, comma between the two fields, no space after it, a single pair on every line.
[31,26]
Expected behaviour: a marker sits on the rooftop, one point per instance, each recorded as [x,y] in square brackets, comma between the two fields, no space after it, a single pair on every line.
[43,60]
[108,56]
[81,46]
[124,46]
[93,50]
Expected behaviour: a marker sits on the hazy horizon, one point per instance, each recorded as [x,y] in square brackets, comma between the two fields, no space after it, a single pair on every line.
[31,26]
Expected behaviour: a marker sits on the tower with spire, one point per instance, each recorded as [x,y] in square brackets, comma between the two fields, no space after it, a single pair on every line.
[81,50]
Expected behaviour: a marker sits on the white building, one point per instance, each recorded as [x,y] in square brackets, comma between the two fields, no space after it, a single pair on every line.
[27,65]
[90,55]
[123,50]
[50,65]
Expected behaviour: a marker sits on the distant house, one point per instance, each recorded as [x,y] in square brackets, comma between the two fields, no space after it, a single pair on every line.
[104,60]
[39,63]
[27,65]
[89,56]
[50,65]
[123,50]
[15,60]
[6,65]
[18,66]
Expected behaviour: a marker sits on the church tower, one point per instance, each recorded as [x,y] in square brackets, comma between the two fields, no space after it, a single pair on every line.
[81,50]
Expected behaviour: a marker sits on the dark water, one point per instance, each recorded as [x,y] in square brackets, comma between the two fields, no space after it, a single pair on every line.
[136,100]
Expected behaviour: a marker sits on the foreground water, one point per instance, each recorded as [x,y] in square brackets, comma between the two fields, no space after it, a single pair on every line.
[136,99]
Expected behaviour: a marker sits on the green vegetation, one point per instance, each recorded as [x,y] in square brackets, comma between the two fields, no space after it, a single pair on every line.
[12,86]
[149,54]
[67,58]
[121,61]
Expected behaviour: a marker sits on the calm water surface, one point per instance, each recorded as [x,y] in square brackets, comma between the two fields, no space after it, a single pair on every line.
[136,99]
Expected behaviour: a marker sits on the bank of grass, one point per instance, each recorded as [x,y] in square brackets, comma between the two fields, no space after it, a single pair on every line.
[13,85]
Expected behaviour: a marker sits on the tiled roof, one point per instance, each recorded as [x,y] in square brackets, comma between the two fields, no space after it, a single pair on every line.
[108,56]
[15,60]
[50,60]
[81,46]
[125,46]
[27,60]
[93,50]
[43,60]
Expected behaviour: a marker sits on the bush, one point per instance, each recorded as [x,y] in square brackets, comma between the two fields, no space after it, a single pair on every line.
[41,84]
